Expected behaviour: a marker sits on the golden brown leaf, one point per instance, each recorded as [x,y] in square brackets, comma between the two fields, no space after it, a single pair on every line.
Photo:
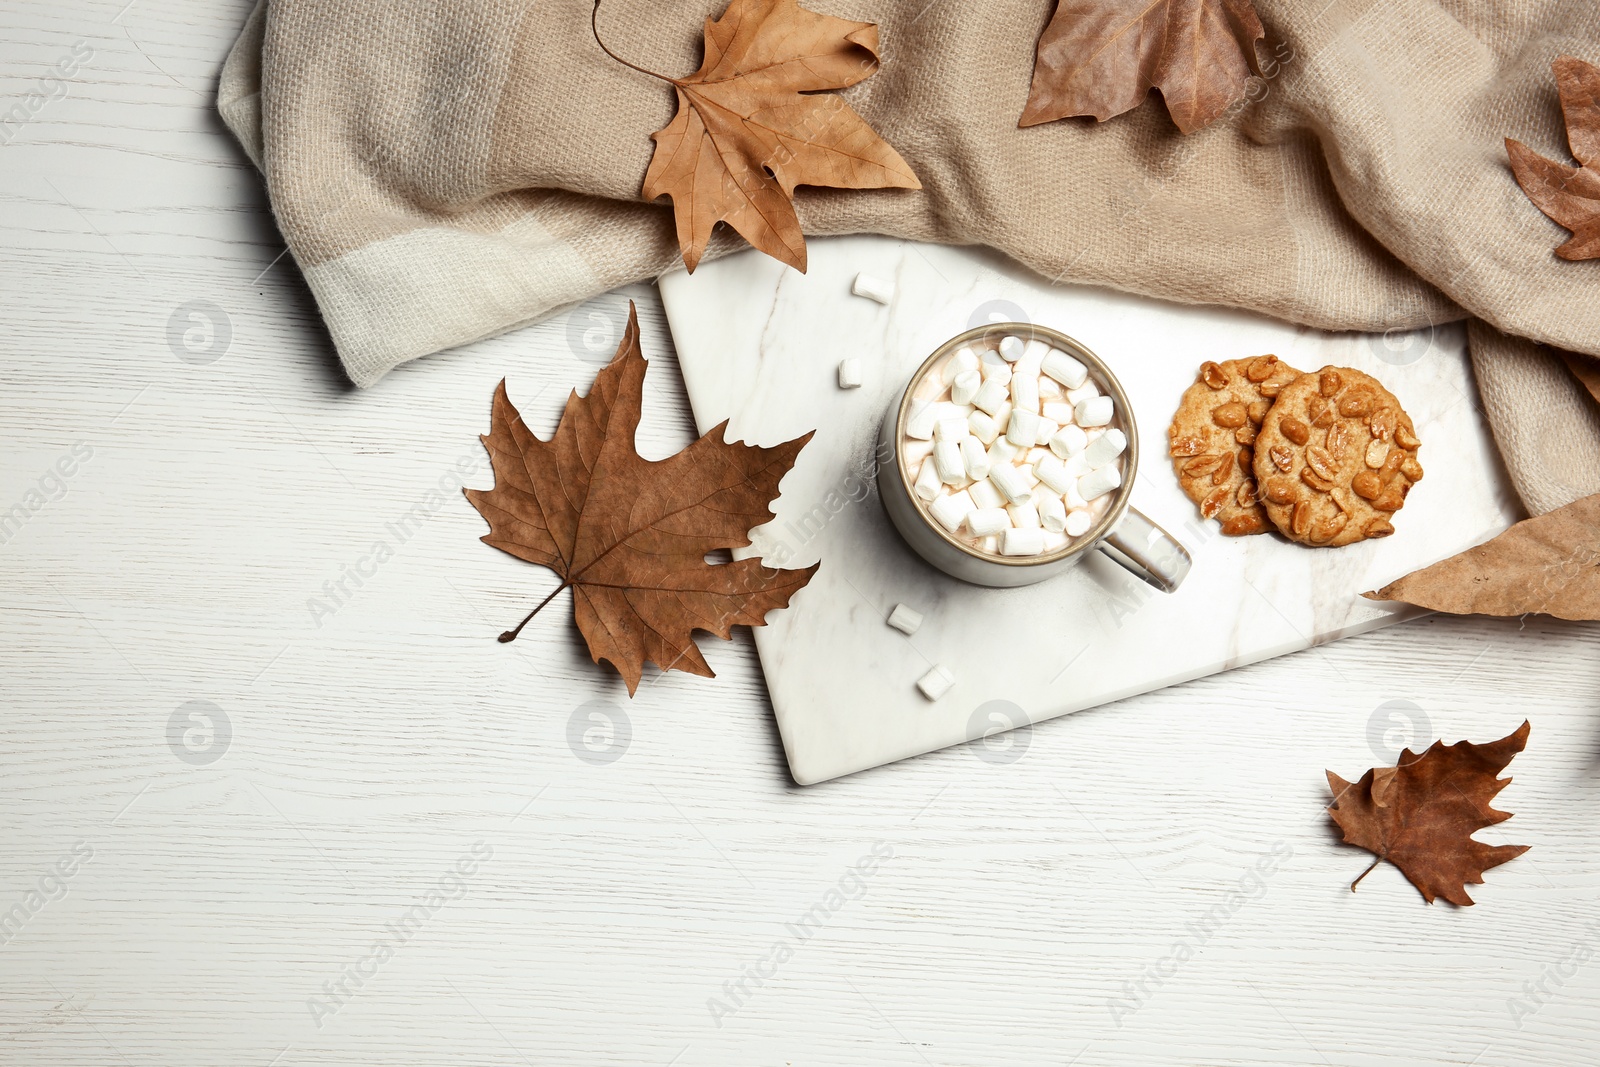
[629,536]
[752,124]
[1102,57]
[1420,815]
[1549,565]
[1569,195]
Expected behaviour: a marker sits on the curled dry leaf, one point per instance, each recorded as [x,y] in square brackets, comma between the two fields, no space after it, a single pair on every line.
[1549,565]
[1569,195]
[752,125]
[1102,57]
[1420,815]
[629,536]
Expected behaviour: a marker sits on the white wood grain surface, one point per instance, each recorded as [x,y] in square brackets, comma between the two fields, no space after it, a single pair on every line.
[375,747]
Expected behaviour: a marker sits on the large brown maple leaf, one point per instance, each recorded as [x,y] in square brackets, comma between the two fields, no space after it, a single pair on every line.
[752,125]
[1421,814]
[1569,195]
[629,536]
[1102,57]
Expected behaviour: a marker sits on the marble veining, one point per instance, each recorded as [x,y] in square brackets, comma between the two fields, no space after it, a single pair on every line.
[759,345]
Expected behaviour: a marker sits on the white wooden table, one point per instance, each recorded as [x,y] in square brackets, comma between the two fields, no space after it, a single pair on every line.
[248,879]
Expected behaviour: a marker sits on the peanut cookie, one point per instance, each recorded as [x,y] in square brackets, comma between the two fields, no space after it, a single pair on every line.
[1335,458]
[1213,434]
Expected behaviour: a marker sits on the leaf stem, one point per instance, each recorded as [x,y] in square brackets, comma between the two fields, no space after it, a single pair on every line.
[1358,880]
[594,25]
[511,635]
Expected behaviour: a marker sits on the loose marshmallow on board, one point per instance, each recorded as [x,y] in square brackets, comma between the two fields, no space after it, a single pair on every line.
[873,288]
[849,374]
[936,683]
[906,620]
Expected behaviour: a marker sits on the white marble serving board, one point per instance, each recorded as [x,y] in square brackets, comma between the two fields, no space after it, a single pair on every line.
[759,345]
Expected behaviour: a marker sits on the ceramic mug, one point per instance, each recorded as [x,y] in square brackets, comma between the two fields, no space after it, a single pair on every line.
[1122,532]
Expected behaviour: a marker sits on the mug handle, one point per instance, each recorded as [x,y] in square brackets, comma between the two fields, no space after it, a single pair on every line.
[1147,551]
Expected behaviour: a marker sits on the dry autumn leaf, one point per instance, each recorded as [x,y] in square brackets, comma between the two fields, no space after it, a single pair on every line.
[629,536]
[1548,565]
[1102,57]
[1421,814]
[1584,368]
[1569,195]
[752,124]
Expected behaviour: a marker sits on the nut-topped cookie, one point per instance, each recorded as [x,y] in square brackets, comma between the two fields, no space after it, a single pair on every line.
[1213,436]
[1335,458]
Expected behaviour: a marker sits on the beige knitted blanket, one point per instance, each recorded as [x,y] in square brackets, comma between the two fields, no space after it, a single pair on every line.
[445,170]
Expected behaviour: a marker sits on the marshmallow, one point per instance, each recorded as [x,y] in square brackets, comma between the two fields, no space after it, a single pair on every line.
[989,396]
[993,366]
[1047,429]
[1025,392]
[849,374]
[1064,369]
[958,364]
[1015,542]
[1074,500]
[985,495]
[1023,429]
[923,415]
[1062,413]
[1002,452]
[947,460]
[1012,485]
[1069,441]
[1053,541]
[1029,478]
[1052,472]
[1095,411]
[927,486]
[983,427]
[974,459]
[990,544]
[1087,389]
[905,619]
[986,521]
[950,428]
[936,683]
[1002,415]
[952,510]
[1078,523]
[965,387]
[1023,516]
[1105,448]
[915,452]
[1100,482]
[873,288]
[1011,349]
[1034,455]
[1052,514]
[1048,386]
[1032,360]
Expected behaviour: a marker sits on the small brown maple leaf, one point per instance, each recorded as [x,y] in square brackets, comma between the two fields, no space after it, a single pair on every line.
[1102,57]
[1569,195]
[629,536]
[752,125]
[1420,815]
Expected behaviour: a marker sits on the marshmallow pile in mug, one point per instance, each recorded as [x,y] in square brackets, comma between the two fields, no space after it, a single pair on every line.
[1014,448]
